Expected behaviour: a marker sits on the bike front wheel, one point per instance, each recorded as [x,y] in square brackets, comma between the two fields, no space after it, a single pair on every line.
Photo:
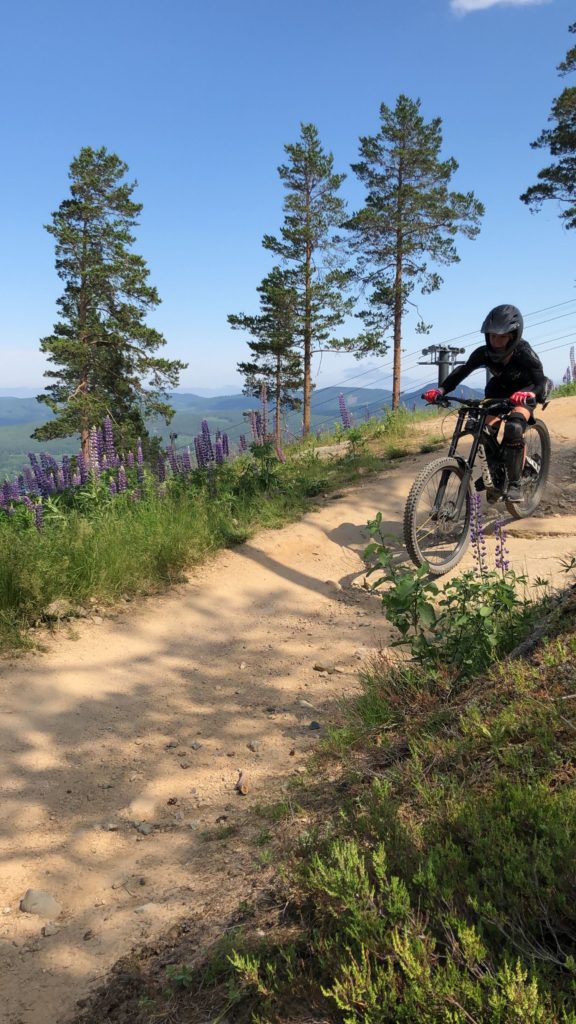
[435,531]
[535,471]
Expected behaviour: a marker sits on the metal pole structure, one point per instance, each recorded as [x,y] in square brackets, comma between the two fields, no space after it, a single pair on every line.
[444,357]
[443,365]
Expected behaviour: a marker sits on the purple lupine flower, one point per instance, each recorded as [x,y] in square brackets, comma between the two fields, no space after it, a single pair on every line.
[254,426]
[40,476]
[130,459]
[82,468]
[31,485]
[207,440]
[186,461]
[21,484]
[242,443]
[25,500]
[501,554]
[76,480]
[122,482]
[199,449]
[161,469]
[109,446]
[344,414]
[477,535]
[38,515]
[280,454]
[96,451]
[66,470]
[226,444]
[6,492]
[14,491]
[171,455]
[60,480]
[219,452]
[112,486]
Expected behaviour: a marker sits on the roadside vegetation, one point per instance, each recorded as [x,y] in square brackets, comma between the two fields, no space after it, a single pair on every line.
[127,530]
[424,866]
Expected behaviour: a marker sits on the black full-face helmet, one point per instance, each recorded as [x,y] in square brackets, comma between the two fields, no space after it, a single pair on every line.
[503,320]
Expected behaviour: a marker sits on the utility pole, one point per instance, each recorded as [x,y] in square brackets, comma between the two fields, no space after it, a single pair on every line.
[444,357]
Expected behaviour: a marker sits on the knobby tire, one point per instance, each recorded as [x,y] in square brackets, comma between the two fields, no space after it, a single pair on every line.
[536,436]
[429,541]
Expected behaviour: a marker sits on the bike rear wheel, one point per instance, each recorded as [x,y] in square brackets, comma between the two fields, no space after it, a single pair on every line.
[433,530]
[535,471]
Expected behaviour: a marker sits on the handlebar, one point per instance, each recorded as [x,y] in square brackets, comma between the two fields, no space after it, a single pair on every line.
[491,404]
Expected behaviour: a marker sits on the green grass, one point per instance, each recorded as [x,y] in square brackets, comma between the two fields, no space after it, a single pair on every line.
[93,546]
[432,877]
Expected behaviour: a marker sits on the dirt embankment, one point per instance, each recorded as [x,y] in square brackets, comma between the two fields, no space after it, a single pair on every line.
[122,743]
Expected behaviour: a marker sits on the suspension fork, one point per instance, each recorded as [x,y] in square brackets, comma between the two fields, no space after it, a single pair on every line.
[467,464]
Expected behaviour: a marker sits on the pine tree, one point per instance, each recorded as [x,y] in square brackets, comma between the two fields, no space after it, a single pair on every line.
[101,347]
[275,362]
[558,181]
[410,218]
[309,249]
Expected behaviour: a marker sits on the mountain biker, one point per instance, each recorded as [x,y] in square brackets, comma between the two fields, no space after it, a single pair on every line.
[517,374]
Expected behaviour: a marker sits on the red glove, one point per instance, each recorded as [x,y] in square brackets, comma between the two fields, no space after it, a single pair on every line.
[523,397]
[432,395]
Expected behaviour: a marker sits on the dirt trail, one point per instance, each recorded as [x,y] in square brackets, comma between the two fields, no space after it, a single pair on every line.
[148,715]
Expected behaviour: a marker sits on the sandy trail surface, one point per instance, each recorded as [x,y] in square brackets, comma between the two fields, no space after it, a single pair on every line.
[123,740]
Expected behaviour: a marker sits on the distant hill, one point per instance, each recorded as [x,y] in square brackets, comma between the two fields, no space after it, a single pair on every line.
[19,417]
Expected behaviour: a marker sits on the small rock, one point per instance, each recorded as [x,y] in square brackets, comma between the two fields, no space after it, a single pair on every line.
[50,929]
[111,827]
[145,908]
[242,786]
[171,745]
[333,584]
[314,726]
[184,764]
[145,828]
[242,665]
[305,704]
[59,609]
[324,666]
[195,745]
[36,901]
[254,746]
[88,935]
[97,618]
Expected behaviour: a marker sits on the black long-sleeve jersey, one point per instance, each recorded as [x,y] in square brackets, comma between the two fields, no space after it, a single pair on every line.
[524,371]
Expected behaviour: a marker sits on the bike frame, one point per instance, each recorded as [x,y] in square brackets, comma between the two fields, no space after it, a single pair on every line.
[481,409]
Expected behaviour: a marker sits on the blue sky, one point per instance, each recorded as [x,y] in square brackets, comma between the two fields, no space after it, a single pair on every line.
[199,100]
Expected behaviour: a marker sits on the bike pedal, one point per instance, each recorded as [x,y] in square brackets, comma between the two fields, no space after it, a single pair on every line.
[493,496]
[479,484]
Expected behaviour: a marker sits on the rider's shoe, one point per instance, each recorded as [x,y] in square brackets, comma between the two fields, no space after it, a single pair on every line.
[493,495]
[514,492]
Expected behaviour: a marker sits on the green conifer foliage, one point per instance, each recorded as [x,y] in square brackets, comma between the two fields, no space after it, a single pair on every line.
[410,218]
[275,362]
[309,248]
[558,181]
[102,351]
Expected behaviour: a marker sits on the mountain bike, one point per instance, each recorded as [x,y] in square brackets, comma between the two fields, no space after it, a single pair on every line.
[439,506]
